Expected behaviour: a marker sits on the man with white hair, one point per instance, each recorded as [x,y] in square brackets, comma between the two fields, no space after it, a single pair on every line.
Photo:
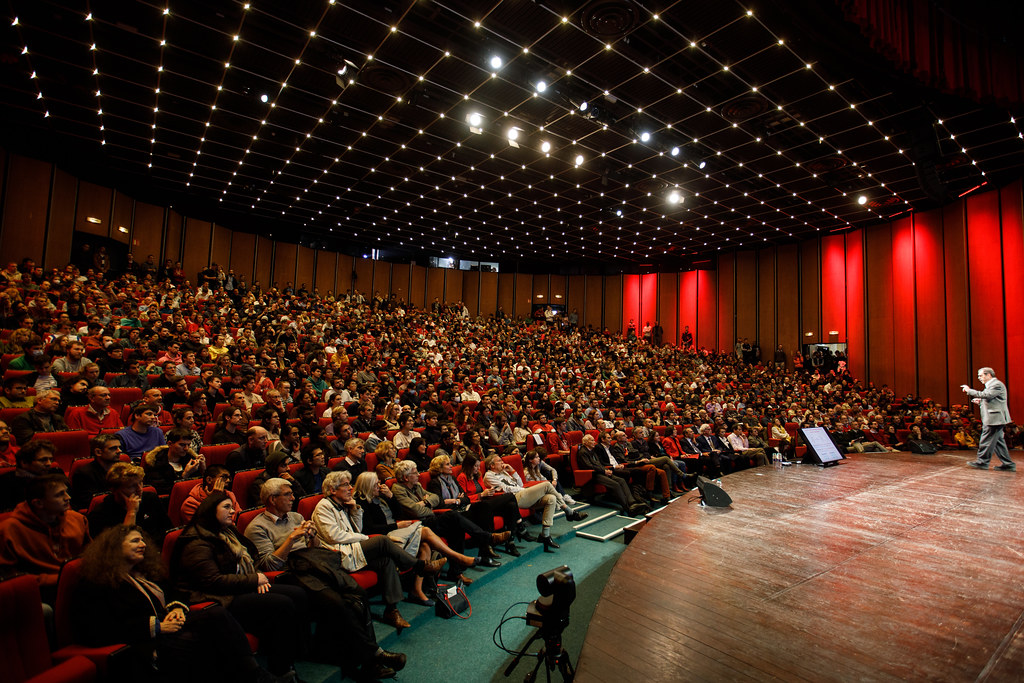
[995,415]
[286,541]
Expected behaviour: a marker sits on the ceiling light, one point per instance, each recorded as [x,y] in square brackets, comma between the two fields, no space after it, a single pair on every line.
[496,62]
[584,105]
[862,199]
[645,136]
[579,160]
[675,151]
[674,198]
[702,164]
[541,86]
[545,146]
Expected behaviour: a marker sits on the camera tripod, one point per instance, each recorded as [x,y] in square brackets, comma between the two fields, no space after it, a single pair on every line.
[552,655]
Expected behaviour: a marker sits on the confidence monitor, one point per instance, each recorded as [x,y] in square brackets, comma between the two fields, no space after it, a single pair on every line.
[820,448]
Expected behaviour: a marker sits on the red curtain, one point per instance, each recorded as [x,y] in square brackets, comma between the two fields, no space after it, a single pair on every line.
[940,45]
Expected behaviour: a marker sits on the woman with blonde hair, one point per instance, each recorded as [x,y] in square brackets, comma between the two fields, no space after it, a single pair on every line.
[387,456]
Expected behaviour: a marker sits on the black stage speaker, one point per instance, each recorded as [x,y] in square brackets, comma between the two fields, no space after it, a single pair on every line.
[712,494]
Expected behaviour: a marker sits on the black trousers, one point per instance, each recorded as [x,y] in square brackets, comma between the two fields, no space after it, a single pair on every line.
[211,647]
[485,510]
[386,559]
[454,526]
[279,618]
[618,489]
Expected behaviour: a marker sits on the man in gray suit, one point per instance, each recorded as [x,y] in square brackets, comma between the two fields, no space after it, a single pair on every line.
[995,415]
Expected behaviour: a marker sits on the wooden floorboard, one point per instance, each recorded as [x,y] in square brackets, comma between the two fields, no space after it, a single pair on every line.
[887,567]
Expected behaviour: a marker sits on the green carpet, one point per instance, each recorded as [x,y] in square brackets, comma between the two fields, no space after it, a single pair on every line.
[462,650]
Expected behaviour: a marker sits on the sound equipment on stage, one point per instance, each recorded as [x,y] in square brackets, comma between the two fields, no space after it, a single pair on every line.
[821,450]
[712,494]
[922,447]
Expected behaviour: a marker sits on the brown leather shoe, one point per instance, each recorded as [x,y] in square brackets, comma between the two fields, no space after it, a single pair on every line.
[433,567]
[392,617]
[500,538]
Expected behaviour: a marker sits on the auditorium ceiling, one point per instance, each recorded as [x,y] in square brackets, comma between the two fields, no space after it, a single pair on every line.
[643,133]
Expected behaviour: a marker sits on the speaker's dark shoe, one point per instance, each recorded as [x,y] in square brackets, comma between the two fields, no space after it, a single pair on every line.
[1006,468]
[978,465]
[549,544]
[482,561]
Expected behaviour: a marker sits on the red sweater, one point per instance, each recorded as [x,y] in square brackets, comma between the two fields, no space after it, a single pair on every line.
[29,545]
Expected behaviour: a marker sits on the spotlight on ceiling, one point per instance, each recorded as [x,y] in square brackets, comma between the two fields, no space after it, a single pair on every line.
[476,121]
[584,105]
[674,197]
[496,62]
[513,135]
[702,164]
[618,212]
[645,136]
[545,146]
[346,72]
[862,199]
[579,160]
[541,86]
[675,151]
[264,98]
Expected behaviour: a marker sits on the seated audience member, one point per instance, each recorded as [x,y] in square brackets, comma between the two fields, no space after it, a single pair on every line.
[485,503]
[641,469]
[275,467]
[354,461]
[111,360]
[217,478]
[142,435]
[32,461]
[376,437]
[314,468]
[91,479]
[165,380]
[8,448]
[132,377]
[536,469]
[387,456]
[289,445]
[740,445]
[178,396]
[128,504]
[252,453]
[418,454]
[502,477]
[613,478]
[154,399]
[73,361]
[43,533]
[231,426]
[338,520]
[14,395]
[168,464]
[41,417]
[284,541]
[415,502]
[96,416]
[185,418]
[212,561]
[712,451]
[270,419]
[120,600]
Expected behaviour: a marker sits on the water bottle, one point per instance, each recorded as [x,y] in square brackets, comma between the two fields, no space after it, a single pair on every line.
[777,460]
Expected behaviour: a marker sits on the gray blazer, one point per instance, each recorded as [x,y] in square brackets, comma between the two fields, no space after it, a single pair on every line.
[994,410]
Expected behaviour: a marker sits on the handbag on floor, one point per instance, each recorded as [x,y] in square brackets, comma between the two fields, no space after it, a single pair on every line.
[450,601]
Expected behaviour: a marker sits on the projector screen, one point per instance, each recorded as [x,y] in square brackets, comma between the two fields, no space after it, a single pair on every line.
[820,448]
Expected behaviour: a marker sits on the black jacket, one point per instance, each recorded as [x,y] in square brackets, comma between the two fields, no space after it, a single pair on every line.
[151,516]
[204,568]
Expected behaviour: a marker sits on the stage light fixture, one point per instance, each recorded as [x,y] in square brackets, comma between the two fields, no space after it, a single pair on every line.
[476,121]
[496,62]
[541,86]
[702,164]
[264,98]
[645,136]
[675,151]
[584,105]
[675,198]
[513,135]
[862,199]
[579,159]
[545,146]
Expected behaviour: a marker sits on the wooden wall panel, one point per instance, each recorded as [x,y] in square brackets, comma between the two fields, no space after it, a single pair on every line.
[197,247]
[613,302]
[124,208]
[25,205]
[557,290]
[810,289]
[94,201]
[326,271]
[577,296]
[855,302]
[471,291]
[488,294]
[592,314]
[435,286]
[452,285]
[285,254]
[985,275]
[363,276]
[62,221]
[305,268]
[172,242]
[668,306]
[787,299]
[726,302]
[381,278]
[243,255]
[1012,218]
[400,281]
[746,295]
[147,231]
[540,289]
[418,287]
[220,248]
[264,262]
[343,280]
[706,334]
[524,295]
[904,306]
[766,303]
[878,294]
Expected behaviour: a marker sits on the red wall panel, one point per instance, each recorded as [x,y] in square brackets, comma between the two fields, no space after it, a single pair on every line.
[706,333]
[688,302]
[904,306]
[932,380]
[668,306]
[878,293]
[810,292]
[787,299]
[726,302]
[958,348]
[855,302]
[648,301]
[833,286]
[631,303]
[985,274]
[1013,267]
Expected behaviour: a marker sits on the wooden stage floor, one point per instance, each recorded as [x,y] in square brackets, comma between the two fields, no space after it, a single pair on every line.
[886,567]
